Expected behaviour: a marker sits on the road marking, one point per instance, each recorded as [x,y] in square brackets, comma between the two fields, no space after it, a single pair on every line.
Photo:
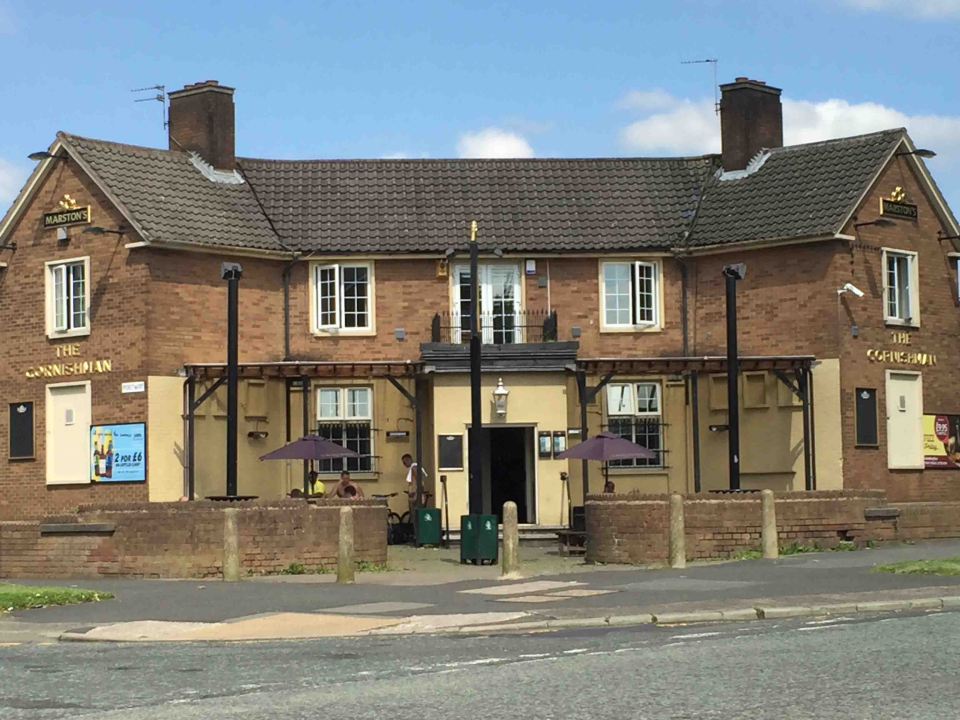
[531,656]
[522,588]
[694,636]
[821,627]
[531,599]
[575,651]
[467,663]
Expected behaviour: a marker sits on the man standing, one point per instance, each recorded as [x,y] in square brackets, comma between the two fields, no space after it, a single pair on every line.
[412,469]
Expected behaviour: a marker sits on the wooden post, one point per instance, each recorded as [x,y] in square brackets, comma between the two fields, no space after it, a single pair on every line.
[678,544]
[231,546]
[345,563]
[768,528]
[511,541]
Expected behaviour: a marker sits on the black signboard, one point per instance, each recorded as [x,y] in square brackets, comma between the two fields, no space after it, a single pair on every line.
[866,413]
[21,431]
[895,208]
[450,450]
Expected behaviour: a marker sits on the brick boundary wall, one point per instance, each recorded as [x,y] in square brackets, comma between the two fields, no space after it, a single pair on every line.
[634,528]
[185,540]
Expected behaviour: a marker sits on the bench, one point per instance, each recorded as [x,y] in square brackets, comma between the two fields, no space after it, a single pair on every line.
[572,541]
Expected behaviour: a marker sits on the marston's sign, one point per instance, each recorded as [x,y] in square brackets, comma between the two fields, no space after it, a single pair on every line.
[69,214]
[897,206]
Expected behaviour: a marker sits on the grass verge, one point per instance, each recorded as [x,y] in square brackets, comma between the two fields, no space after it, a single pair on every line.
[22,597]
[948,566]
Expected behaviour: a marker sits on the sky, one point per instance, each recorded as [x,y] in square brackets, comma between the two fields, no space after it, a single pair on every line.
[479,78]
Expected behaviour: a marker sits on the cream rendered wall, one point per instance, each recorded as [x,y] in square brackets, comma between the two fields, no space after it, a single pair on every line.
[275,478]
[165,433]
[536,399]
[771,437]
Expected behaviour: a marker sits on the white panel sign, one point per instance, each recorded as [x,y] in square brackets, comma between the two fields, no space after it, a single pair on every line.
[133,387]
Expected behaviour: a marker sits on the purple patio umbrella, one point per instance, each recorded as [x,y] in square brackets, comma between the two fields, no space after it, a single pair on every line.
[606,447]
[310,447]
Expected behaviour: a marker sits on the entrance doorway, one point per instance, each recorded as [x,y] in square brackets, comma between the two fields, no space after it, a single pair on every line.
[511,474]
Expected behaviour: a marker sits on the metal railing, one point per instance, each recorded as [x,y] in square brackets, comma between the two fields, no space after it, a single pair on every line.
[524,326]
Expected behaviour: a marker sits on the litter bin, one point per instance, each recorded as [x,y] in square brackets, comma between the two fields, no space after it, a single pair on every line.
[479,542]
[427,526]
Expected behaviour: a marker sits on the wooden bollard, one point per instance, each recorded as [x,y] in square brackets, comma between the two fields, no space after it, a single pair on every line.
[768,527]
[678,540]
[345,563]
[510,565]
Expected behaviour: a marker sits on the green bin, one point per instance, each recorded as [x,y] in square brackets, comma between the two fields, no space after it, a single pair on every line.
[427,526]
[479,542]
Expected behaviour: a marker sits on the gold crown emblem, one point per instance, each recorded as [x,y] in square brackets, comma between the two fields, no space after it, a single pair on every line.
[898,195]
[68,203]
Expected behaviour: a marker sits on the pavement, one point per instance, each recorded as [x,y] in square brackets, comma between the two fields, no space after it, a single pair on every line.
[427,591]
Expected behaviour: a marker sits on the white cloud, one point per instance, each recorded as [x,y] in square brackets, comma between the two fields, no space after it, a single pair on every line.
[11,180]
[395,156]
[493,142]
[647,100]
[922,8]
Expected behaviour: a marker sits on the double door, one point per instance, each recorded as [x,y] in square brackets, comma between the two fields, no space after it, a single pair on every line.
[500,312]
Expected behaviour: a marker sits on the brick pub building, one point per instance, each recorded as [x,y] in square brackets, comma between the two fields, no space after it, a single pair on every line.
[601,287]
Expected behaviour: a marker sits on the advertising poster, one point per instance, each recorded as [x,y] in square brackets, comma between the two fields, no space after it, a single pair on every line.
[941,442]
[118,453]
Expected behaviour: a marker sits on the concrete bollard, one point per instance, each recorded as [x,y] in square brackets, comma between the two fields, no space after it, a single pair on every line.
[345,564]
[511,540]
[231,546]
[678,540]
[768,528]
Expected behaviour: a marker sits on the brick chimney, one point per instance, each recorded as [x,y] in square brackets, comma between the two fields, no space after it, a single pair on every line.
[751,118]
[201,120]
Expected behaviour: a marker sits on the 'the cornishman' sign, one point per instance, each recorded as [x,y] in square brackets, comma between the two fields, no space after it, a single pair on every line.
[69,214]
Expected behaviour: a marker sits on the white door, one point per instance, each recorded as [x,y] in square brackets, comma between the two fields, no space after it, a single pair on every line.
[68,433]
[904,420]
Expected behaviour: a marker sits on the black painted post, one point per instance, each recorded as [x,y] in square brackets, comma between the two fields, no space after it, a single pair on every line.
[232,272]
[731,274]
[475,488]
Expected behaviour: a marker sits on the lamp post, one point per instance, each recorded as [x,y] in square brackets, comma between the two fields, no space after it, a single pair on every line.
[232,272]
[731,274]
[475,488]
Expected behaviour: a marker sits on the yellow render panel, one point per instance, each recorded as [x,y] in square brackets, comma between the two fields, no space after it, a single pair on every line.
[165,432]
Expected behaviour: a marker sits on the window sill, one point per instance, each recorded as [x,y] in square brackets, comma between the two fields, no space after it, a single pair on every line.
[636,471]
[84,332]
[604,329]
[896,322]
[336,332]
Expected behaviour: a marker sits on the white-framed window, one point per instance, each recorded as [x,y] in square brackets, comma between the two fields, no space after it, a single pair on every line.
[68,297]
[635,412]
[901,296]
[343,297]
[630,295]
[345,416]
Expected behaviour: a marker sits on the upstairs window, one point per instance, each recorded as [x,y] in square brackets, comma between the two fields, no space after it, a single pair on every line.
[634,413]
[344,416]
[343,297]
[901,297]
[630,295]
[68,298]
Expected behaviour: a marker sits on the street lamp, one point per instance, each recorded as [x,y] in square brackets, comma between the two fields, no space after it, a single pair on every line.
[920,152]
[731,274]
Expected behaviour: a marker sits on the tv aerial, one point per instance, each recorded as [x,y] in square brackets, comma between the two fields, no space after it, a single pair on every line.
[716,88]
[159,95]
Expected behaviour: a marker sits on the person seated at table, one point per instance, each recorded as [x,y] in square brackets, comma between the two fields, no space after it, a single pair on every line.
[295,493]
[609,488]
[317,485]
[346,488]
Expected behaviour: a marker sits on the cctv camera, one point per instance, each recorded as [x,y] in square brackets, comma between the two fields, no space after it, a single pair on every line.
[851,288]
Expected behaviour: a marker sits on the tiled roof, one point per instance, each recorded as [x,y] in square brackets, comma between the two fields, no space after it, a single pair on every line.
[172,200]
[398,206]
[799,191]
[425,206]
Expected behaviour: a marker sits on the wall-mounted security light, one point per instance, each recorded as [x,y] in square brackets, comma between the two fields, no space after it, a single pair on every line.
[879,222]
[718,428]
[63,235]
[400,334]
[852,289]
[257,434]
[920,152]
[44,155]
[97,230]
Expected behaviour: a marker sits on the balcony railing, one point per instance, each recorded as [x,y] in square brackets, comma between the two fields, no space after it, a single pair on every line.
[526,326]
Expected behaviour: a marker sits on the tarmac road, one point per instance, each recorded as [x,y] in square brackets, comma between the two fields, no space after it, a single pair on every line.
[865,667]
